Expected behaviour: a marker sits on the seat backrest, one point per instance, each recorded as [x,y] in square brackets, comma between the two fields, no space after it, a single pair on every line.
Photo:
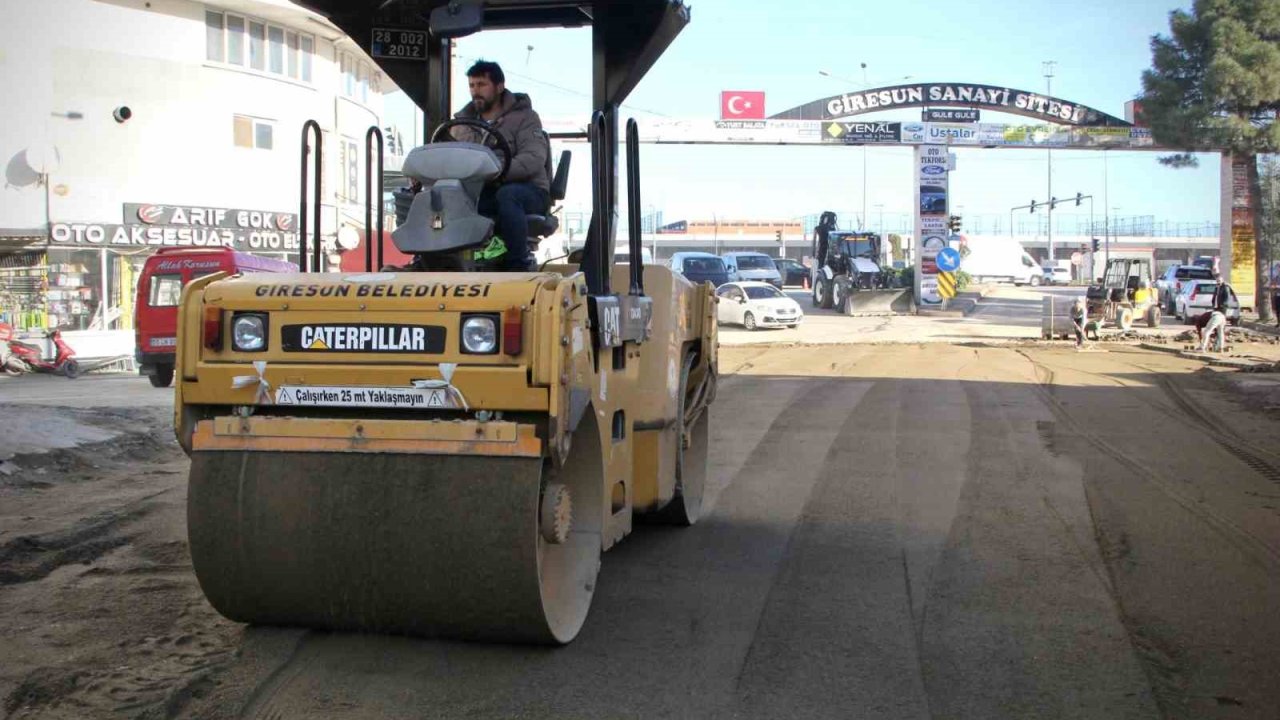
[559,176]
[560,181]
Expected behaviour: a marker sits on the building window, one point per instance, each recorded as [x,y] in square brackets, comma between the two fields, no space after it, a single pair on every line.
[275,36]
[292,53]
[348,68]
[308,47]
[249,132]
[357,78]
[257,45]
[213,36]
[235,40]
[271,48]
[351,170]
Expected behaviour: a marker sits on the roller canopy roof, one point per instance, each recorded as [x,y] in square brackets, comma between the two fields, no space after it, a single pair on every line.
[633,34]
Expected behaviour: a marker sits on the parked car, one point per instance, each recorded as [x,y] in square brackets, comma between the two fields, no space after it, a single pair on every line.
[1196,298]
[1170,283]
[700,267]
[793,272]
[1056,276]
[753,305]
[752,266]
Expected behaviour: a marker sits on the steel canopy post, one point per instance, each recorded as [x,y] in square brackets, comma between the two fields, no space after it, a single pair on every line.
[439,68]
[313,127]
[374,132]
[633,207]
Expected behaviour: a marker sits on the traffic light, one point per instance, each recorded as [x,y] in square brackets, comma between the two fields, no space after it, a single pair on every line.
[953,224]
[1096,244]
[1079,199]
[777,235]
[1033,206]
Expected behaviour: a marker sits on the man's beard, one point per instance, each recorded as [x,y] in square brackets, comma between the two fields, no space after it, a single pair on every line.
[481,104]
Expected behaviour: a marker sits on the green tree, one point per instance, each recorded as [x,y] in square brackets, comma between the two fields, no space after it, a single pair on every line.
[1214,85]
[1269,169]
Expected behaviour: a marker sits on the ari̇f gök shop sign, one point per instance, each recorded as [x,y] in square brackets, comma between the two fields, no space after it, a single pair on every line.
[147,225]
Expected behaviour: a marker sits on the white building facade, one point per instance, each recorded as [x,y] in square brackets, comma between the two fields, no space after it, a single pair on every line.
[133,125]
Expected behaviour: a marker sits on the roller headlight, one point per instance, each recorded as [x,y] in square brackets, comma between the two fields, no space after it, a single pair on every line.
[249,333]
[480,335]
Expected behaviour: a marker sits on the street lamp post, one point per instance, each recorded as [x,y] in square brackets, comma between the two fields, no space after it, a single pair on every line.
[1048,66]
[1106,203]
[864,161]
[865,84]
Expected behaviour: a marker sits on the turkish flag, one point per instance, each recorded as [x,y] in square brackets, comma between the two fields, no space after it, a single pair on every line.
[741,105]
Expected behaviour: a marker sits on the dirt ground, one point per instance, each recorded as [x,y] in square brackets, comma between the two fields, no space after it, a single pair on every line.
[1019,530]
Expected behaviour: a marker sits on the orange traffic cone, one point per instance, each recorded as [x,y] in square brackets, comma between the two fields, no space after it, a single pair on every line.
[806,282]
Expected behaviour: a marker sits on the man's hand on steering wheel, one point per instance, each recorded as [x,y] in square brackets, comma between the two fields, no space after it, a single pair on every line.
[489,137]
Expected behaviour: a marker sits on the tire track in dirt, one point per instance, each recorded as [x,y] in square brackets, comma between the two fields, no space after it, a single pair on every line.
[27,558]
[1253,546]
[1261,460]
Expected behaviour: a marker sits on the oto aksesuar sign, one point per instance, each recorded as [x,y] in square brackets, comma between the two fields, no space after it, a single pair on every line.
[1000,99]
[185,226]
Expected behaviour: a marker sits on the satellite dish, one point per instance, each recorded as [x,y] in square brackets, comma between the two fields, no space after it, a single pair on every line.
[42,159]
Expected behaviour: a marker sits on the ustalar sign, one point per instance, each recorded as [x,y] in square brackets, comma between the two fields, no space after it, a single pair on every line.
[932,166]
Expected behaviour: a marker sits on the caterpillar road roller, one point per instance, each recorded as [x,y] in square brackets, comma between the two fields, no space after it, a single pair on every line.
[441,449]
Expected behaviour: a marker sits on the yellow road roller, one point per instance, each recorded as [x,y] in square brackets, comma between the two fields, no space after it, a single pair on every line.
[441,449]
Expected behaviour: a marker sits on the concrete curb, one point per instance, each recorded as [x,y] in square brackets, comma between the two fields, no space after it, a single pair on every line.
[1256,326]
[1217,360]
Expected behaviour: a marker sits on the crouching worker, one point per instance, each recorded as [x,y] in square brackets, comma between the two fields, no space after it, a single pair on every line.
[1209,324]
[1079,316]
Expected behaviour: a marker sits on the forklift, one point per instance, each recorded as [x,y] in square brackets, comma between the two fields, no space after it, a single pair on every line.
[1125,294]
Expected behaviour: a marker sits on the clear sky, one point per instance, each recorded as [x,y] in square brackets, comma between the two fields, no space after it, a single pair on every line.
[1100,48]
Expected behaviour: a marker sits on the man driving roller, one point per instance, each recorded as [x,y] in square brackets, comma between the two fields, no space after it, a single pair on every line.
[526,188]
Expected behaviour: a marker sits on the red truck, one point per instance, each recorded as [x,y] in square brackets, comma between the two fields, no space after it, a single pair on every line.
[155,318]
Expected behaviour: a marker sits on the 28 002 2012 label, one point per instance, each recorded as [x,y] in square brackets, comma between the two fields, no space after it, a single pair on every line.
[398,44]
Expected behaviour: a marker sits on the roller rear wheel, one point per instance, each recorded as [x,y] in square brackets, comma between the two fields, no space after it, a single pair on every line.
[691,460]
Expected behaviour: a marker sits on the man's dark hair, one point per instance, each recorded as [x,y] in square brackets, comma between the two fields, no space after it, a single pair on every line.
[490,69]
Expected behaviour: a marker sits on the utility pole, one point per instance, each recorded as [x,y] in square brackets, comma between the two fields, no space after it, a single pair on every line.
[1048,66]
[864,159]
[1106,203]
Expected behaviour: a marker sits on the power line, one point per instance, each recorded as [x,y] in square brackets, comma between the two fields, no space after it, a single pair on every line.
[562,88]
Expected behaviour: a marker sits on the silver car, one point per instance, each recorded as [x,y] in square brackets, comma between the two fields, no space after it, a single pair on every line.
[753,266]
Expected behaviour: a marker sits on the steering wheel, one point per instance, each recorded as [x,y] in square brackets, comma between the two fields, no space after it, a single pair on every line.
[487,133]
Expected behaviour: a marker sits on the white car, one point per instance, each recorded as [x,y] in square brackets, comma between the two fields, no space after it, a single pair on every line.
[756,305]
[1054,275]
[1196,298]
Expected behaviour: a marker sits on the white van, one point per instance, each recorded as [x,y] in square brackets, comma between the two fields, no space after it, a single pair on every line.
[995,259]
[623,255]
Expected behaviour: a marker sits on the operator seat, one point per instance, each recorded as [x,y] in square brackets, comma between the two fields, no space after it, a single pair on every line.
[546,225]
[541,226]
